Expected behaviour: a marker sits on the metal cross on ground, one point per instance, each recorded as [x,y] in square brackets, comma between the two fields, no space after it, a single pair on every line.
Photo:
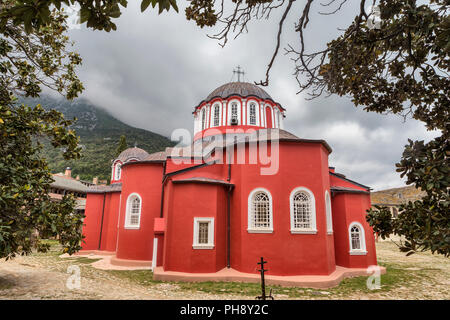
[239,72]
[263,283]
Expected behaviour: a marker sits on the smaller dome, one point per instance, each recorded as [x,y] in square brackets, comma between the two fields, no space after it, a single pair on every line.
[133,153]
[242,89]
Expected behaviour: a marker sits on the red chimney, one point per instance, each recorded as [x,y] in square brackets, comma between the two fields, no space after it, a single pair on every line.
[68,172]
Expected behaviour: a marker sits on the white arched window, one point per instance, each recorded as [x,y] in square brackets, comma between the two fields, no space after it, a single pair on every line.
[216,115]
[328,212]
[117,170]
[276,120]
[357,239]
[252,113]
[303,211]
[234,112]
[133,213]
[203,119]
[260,216]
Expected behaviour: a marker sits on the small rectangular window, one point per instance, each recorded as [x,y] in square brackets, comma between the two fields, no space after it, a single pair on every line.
[203,233]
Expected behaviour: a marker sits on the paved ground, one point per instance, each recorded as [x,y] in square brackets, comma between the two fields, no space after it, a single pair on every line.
[44,276]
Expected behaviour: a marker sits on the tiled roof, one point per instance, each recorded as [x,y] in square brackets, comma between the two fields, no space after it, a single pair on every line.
[133,153]
[242,89]
[65,183]
[157,156]
[278,135]
[115,187]
[347,190]
[195,150]
[203,180]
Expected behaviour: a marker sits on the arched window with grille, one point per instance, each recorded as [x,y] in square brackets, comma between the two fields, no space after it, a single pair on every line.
[303,211]
[133,211]
[260,215]
[252,113]
[234,112]
[216,115]
[116,170]
[328,212]
[357,239]
[203,119]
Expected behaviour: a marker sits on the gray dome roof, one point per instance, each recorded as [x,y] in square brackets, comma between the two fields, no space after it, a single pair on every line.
[242,89]
[132,153]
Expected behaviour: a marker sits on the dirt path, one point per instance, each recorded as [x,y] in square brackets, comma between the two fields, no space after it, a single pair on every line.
[21,279]
[44,276]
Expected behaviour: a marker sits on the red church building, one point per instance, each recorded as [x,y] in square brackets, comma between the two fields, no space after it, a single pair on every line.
[243,189]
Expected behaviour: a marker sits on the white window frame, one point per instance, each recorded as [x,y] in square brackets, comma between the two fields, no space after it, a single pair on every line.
[210,244]
[230,106]
[117,166]
[250,227]
[203,118]
[362,239]
[217,104]
[328,212]
[313,228]
[272,114]
[257,111]
[127,224]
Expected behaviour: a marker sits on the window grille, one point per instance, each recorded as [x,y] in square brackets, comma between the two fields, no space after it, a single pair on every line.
[216,116]
[203,228]
[261,211]
[203,119]
[203,236]
[133,215]
[252,114]
[118,171]
[234,112]
[355,235]
[302,211]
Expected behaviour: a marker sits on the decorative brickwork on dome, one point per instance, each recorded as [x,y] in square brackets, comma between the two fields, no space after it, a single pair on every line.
[243,89]
[133,153]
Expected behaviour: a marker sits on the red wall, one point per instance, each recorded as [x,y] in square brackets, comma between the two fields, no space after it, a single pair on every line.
[92,221]
[301,165]
[109,231]
[93,228]
[348,208]
[288,254]
[179,254]
[144,179]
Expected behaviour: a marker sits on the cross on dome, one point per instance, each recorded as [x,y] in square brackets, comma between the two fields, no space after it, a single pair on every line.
[239,72]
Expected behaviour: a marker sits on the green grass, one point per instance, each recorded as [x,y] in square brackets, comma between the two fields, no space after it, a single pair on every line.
[396,276]
[80,260]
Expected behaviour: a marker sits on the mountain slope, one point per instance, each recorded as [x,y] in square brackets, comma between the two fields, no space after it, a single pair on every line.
[99,137]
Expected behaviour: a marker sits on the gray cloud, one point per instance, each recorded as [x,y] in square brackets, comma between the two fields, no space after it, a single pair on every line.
[153,70]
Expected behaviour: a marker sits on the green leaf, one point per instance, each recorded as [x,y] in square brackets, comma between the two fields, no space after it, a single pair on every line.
[145,4]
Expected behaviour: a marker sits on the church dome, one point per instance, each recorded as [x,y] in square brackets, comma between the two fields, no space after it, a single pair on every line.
[243,89]
[132,153]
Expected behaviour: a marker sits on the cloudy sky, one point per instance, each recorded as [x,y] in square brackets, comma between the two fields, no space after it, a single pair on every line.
[153,70]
